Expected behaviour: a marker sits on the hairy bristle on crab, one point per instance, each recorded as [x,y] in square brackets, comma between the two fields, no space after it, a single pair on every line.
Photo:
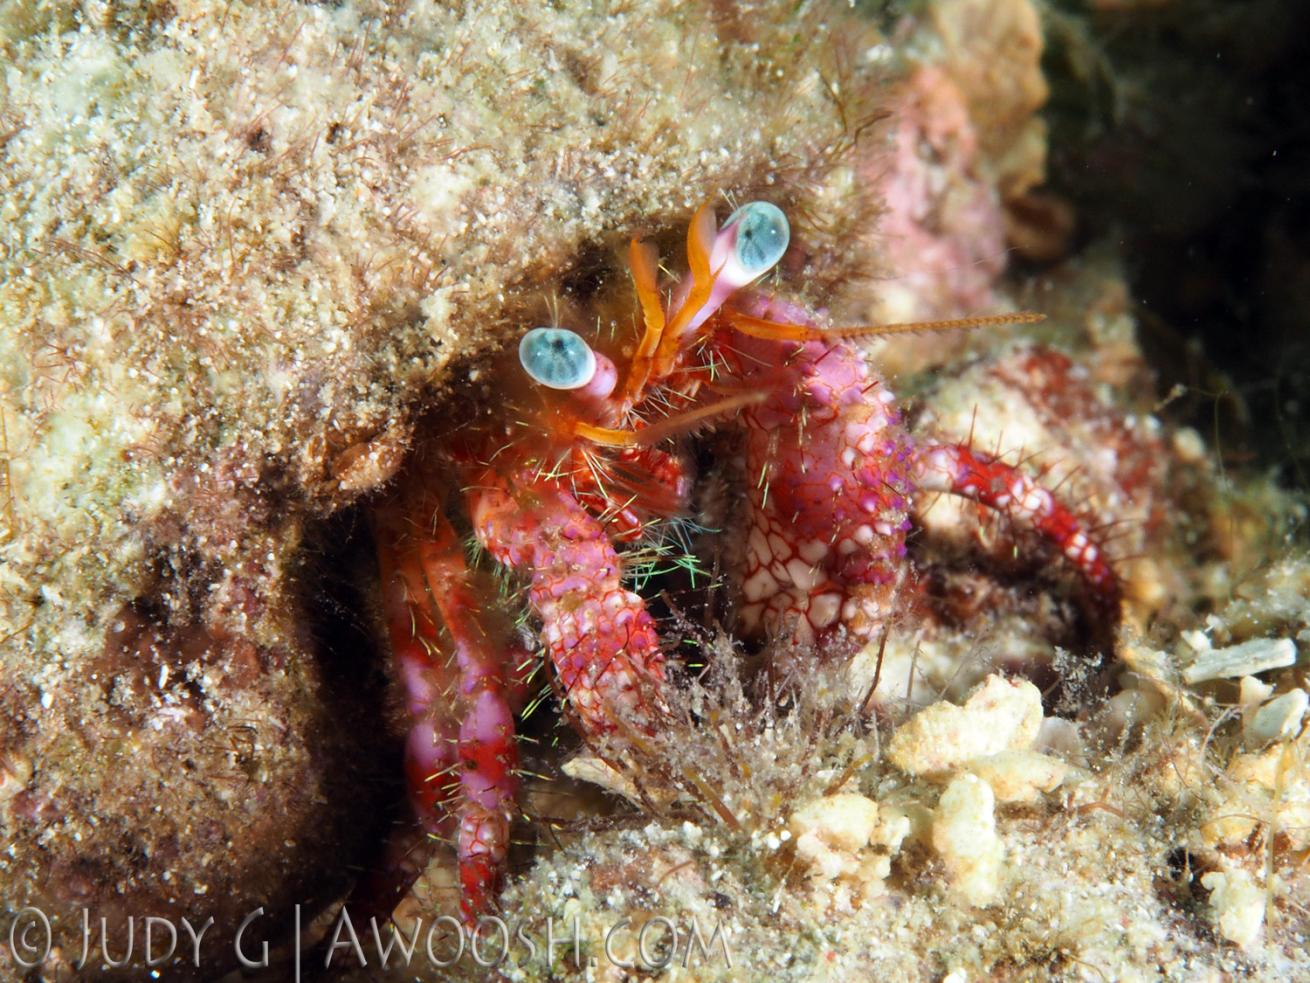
[593,454]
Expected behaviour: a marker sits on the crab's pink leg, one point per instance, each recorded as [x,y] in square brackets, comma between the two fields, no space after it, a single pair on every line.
[600,637]
[416,646]
[462,703]
[959,470]
[430,747]
[488,755]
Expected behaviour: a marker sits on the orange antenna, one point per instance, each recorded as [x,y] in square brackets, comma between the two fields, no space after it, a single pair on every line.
[758,327]
[659,342]
[643,262]
[700,240]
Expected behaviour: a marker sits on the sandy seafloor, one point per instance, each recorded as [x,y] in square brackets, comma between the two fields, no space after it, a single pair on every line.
[251,255]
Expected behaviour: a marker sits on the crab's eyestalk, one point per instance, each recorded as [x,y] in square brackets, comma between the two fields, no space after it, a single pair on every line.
[750,244]
[557,357]
[761,237]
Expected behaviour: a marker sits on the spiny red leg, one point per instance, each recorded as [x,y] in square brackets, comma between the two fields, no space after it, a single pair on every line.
[488,755]
[958,470]
[463,704]
[416,646]
[600,637]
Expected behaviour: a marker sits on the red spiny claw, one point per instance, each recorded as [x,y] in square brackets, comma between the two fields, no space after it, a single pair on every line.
[833,474]
[827,460]
[600,637]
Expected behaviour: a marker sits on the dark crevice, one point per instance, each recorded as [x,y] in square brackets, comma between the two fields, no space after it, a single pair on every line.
[1182,134]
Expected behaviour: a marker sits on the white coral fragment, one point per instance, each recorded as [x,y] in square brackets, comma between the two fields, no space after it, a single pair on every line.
[964,834]
[1269,789]
[1253,692]
[1001,715]
[1278,719]
[1246,659]
[830,832]
[1239,905]
[833,837]
[844,821]
[1019,776]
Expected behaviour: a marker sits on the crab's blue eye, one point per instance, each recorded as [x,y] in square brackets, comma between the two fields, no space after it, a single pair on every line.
[762,235]
[557,357]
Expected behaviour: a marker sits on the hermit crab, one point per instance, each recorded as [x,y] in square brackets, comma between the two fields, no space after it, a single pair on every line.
[588,454]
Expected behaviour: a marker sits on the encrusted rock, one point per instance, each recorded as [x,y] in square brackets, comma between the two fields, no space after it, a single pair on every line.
[1019,776]
[1002,714]
[1239,905]
[964,833]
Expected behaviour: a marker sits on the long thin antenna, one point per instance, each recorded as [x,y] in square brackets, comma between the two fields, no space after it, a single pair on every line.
[758,327]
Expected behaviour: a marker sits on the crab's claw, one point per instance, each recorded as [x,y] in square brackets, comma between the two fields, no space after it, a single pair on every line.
[600,637]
